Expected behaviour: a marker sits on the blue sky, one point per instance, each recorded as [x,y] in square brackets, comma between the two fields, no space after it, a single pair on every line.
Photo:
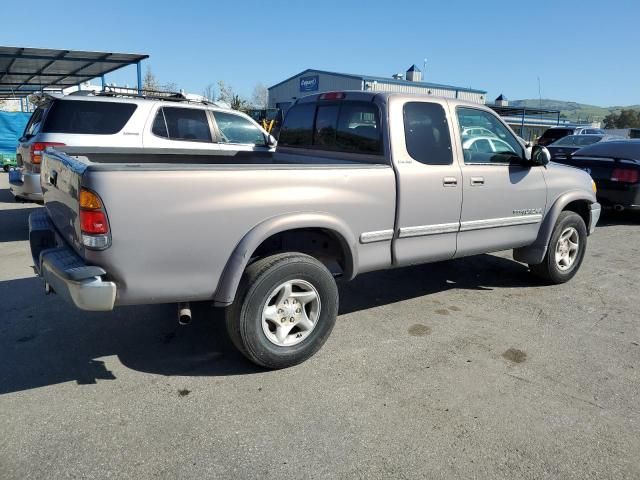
[584,51]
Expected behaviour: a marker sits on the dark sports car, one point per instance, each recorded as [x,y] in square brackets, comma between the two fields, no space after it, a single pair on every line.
[615,167]
[567,145]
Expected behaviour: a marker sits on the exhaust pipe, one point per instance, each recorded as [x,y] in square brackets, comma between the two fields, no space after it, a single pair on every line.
[618,207]
[184,313]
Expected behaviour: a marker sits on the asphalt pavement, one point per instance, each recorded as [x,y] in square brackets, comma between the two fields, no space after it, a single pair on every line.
[461,369]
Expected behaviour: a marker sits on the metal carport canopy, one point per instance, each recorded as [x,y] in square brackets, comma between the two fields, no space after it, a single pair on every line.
[27,70]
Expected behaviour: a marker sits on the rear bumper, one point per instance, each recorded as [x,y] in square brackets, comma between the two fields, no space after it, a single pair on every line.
[627,196]
[594,215]
[27,187]
[64,271]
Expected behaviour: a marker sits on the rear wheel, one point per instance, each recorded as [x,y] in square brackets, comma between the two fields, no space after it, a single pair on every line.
[5,168]
[565,251]
[285,309]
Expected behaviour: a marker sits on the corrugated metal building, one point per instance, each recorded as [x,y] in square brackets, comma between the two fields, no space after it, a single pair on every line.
[283,94]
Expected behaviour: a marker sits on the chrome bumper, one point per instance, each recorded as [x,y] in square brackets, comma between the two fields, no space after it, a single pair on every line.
[594,216]
[64,271]
[27,187]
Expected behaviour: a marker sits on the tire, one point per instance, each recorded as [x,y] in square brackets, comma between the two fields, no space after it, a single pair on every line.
[560,271]
[261,339]
[5,168]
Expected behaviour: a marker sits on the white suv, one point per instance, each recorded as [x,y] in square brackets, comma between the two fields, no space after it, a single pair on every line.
[116,120]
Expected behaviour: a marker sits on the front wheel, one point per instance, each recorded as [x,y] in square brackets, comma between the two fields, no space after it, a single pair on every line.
[285,309]
[565,251]
[5,168]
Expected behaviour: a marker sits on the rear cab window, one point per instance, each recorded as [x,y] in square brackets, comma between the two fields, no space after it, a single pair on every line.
[87,117]
[343,126]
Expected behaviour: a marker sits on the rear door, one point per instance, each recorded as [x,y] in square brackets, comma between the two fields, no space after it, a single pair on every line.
[429,181]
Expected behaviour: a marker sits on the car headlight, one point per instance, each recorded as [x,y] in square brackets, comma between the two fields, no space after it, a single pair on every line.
[593,186]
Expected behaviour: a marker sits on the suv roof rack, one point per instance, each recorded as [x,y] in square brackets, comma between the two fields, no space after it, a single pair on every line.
[113,91]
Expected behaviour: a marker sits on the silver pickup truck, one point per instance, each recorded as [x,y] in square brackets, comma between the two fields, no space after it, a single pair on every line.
[359,182]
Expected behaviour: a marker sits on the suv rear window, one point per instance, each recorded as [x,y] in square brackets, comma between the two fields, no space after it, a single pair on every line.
[86,117]
[350,127]
[557,133]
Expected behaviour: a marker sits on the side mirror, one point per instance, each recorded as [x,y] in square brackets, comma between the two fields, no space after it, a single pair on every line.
[540,155]
[271,141]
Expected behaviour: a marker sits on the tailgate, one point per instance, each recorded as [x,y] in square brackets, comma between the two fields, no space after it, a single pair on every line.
[60,179]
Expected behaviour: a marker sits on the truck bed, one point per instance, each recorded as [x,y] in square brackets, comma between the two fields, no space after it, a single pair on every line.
[177,217]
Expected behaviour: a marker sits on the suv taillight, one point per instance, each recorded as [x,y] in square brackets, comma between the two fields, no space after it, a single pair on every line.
[624,175]
[38,148]
[94,224]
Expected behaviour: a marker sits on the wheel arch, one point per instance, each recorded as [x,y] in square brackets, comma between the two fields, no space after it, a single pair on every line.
[577,201]
[294,224]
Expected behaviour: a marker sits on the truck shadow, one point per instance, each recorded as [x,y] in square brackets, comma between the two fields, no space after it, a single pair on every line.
[481,272]
[610,218]
[14,223]
[44,341]
[5,196]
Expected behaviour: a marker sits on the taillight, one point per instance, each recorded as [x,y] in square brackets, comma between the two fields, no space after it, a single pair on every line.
[38,148]
[93,221]
[624,175]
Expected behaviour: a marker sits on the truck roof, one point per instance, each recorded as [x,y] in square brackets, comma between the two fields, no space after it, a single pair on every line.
[368,96]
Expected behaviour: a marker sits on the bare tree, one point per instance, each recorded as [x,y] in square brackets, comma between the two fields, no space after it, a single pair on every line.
[260,96]
[151,82]
[209,92]
[225,92]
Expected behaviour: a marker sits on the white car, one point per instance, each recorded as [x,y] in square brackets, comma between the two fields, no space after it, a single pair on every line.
[107,119]
[486,145]
[476,132]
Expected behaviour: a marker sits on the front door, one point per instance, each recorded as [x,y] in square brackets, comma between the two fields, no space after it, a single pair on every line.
[429,182]
[504,197]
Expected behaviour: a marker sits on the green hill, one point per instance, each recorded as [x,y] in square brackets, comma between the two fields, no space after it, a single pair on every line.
[572,110]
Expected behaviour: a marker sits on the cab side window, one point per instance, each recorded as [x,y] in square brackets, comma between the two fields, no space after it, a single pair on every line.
[236,129]
[187,124]
[426,133]
[485,139]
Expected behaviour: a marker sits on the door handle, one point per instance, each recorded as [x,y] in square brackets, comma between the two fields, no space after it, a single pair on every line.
[53,178]
[449,181]
[477,181]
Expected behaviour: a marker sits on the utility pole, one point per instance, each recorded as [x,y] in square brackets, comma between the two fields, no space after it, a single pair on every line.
[539,94]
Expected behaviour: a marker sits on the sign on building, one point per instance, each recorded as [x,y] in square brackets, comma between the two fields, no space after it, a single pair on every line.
[309,84]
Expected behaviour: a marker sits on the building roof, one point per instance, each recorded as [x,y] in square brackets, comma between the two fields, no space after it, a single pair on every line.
[369,78]
[520,111]
[27,70]
[414,68]
[501,98]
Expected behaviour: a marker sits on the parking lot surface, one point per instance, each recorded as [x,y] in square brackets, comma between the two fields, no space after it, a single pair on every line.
[461,369]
